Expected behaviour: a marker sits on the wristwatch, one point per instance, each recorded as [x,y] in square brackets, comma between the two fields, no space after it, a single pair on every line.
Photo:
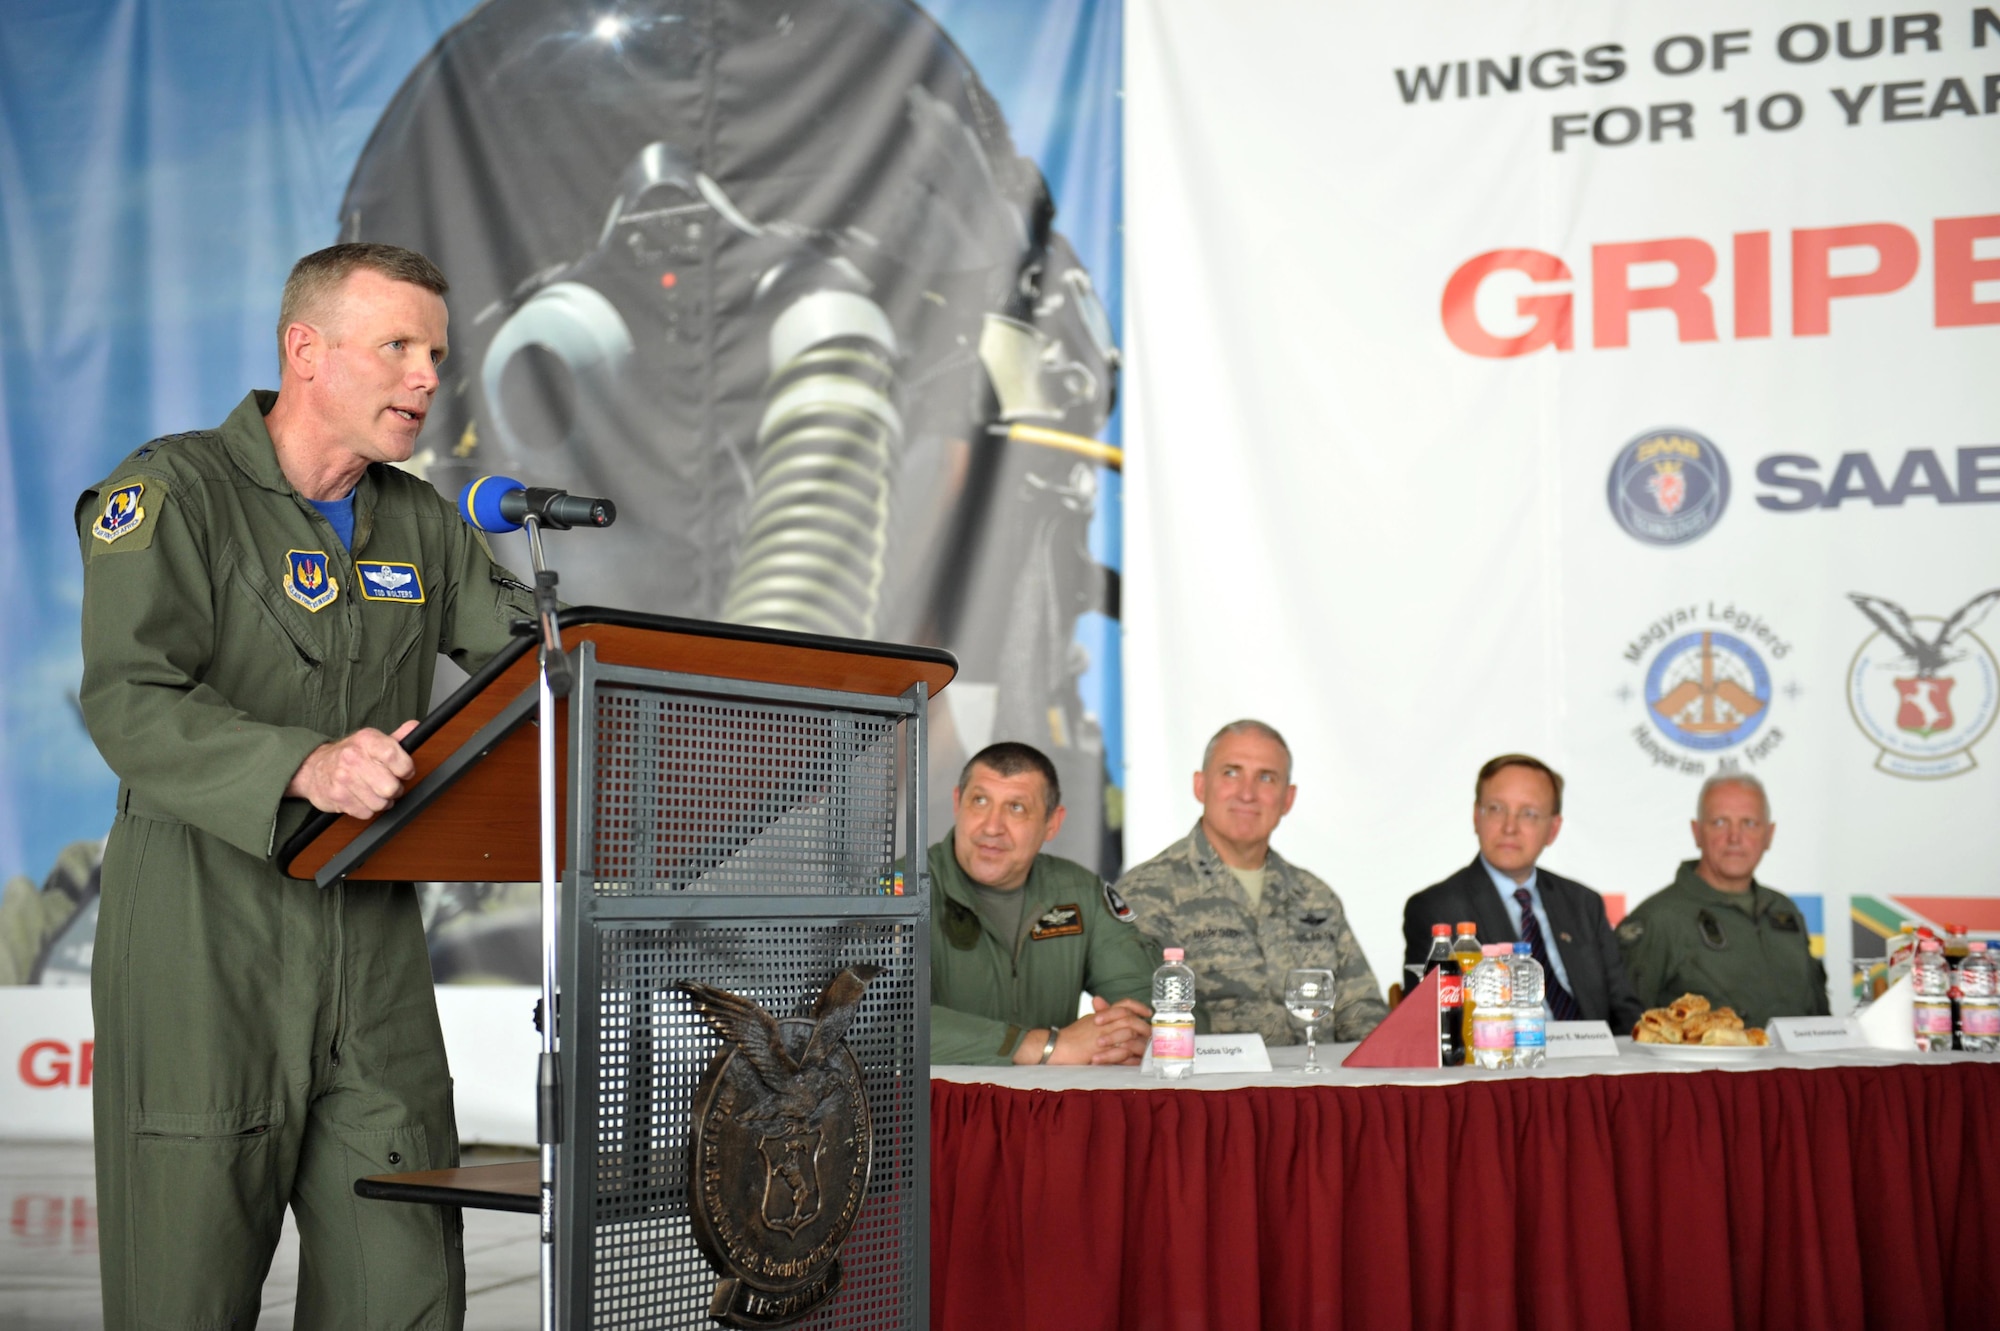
[1049,1048]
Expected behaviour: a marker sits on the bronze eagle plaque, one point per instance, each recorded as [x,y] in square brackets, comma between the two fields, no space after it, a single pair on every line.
[779,1151]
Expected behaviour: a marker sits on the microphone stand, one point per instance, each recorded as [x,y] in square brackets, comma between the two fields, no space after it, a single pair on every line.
[554,678]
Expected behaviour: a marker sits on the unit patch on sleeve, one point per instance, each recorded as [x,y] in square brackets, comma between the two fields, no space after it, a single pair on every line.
[122,513]
[1117,904]
[308,580]
[1057,922]
[381,581]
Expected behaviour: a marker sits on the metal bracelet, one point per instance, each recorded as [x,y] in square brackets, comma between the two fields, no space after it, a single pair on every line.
[1048,1048]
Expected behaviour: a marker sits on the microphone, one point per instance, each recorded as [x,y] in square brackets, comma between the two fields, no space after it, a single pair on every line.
[501,503]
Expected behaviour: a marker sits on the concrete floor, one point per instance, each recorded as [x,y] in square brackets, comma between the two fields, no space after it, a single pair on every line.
[48,1251]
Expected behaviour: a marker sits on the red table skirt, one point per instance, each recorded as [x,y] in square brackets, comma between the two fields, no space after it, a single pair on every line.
[1834,1198]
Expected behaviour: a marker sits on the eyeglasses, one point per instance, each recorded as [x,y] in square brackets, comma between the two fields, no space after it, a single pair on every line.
[1499,813]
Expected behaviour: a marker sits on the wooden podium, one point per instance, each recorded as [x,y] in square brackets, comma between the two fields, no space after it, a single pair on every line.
[731,807]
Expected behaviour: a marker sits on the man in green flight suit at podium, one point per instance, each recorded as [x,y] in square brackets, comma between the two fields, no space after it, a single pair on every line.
[263,608]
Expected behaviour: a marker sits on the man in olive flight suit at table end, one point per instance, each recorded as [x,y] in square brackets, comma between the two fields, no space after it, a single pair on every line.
[1017,937]
[264,604]
[1718,932]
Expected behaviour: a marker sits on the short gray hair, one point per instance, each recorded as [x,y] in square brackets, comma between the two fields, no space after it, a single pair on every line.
[1731,779]
[316,277]
[1247,726]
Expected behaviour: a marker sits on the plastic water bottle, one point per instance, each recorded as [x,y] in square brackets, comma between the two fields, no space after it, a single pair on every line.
[1979,1000]
[1173,1017]
[1930,978]
[1531,1031]
[1489,999]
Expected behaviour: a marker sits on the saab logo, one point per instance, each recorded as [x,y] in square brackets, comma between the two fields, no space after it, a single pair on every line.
[307,580]
[1668,487]
[1924,690]
[1972,478]
[121,515]
[390,582]
[1706,689]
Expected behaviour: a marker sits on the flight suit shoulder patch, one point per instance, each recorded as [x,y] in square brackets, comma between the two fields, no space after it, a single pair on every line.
[1057,922]
[1631,931]
[1117,905]
[122,521]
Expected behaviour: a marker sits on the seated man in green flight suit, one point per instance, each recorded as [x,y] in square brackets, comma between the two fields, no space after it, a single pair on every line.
[1718,932]
[1018,936]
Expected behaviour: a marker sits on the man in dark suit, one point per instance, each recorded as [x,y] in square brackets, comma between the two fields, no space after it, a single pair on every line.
[1516,813]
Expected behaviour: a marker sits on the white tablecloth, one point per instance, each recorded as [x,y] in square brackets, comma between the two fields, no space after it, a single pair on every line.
[1287,1059]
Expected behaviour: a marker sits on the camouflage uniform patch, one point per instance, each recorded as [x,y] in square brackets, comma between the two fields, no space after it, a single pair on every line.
[1186,897]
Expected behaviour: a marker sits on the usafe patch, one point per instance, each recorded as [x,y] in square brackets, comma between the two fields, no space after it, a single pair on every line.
[308,580]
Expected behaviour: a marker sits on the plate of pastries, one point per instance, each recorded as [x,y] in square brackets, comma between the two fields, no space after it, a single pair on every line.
[1688,1028]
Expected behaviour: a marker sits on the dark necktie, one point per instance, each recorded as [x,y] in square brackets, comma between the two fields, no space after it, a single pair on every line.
[1561,1005]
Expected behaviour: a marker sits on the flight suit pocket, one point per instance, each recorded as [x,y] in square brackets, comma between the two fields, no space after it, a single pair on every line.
[412,1258]
[252,598]
[206,1212]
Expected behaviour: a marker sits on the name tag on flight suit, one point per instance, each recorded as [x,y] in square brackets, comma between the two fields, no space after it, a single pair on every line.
[1057,922]
[383,581]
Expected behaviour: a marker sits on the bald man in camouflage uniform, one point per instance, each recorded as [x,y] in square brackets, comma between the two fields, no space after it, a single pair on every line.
[1243,912]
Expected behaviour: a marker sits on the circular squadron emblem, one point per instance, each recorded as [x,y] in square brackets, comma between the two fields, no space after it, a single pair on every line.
[779,1151]
[1708,691]
[1667,487]
[1924,689]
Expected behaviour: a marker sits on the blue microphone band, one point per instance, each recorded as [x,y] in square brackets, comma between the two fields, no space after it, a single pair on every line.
[479,503]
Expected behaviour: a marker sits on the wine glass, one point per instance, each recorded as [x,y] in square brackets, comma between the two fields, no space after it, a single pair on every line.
[1309,998]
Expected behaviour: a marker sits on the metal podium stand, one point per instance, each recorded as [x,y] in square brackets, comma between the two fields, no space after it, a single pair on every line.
[731,812]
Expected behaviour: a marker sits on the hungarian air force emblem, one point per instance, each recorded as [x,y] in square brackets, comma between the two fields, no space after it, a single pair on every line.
[308,580]
[122,514]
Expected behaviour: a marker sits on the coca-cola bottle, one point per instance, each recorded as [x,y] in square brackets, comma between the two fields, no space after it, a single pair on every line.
[1451,997]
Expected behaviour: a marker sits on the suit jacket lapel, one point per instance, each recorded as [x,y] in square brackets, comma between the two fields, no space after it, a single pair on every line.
[1494,926]
[1564,902]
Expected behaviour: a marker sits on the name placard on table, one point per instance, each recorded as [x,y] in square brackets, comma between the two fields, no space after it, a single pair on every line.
[1581,1039]
[1804,1035]
[1222,1053]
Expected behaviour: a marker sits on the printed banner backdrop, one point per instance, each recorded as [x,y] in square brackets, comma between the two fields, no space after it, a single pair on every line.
[639,206]
[1609,382]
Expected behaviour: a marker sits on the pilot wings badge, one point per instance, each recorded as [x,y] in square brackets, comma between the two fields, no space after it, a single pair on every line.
[383,581]
[779,1152]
